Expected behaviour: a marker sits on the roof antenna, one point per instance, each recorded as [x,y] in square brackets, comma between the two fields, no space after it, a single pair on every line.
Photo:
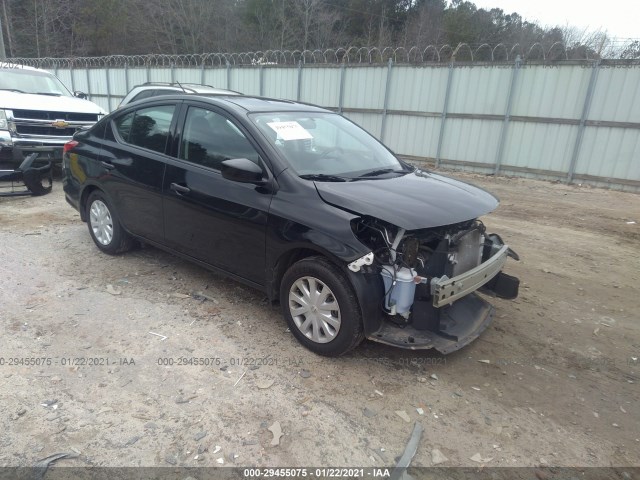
[183,89]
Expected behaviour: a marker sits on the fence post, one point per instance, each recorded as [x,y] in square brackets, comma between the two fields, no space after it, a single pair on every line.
[173,75]
[507,116]
[261,79]
[386,100]
[444,113]
[583,119]
[202,72]
[299,80]
[148,74]
[106,70]
[73,82]
[86,69]
[126,77]
[341,93]
[228,75]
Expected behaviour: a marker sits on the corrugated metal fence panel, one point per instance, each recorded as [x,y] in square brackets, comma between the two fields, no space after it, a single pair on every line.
[281,82]
[418,89]
[188,75]
[469,140]
[542,146]
[65,77]
[547,96]
[245,80]
[479,90]
[554,92]
[321,86]
[616,96]
[138,76]
[160,75]
[610,153]
[117,87]
[216,77]
[98,87]
[97,81]
[79,80]
[117,83]
[371,122]
[364,87]
[415,136]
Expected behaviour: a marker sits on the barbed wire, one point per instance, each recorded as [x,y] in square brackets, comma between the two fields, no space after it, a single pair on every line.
[463,52]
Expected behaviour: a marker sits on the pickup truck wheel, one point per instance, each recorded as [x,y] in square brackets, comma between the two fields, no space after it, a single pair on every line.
[104,226]
[320,307]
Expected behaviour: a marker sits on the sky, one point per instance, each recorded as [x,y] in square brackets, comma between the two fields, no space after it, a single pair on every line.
[620,18]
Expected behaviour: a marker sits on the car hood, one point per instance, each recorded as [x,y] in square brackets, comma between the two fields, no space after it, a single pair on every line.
[29,101]
[413,201]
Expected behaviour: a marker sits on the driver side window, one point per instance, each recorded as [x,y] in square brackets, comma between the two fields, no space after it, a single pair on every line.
[209,138]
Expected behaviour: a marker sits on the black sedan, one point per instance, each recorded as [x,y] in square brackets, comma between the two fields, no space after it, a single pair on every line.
[301,203]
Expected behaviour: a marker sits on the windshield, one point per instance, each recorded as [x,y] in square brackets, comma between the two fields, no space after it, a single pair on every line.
[29,81]
[326,146]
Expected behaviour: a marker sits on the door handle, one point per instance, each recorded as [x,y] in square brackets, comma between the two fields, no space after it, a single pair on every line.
[107,165]
[179,189]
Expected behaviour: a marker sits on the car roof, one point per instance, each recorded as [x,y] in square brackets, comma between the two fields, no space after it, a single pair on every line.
[188,87]
[241,104]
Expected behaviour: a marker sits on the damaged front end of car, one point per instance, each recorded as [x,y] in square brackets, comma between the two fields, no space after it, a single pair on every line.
[33,176]
[430,279]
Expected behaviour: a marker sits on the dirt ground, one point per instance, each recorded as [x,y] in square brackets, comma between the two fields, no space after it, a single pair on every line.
[553,381]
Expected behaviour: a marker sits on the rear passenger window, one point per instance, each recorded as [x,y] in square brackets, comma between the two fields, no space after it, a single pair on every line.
[210,138]
[147,127]
[158,93]
[143,94]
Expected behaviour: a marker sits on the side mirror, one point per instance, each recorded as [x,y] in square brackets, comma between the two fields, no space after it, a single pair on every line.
[80,94]
[242,170]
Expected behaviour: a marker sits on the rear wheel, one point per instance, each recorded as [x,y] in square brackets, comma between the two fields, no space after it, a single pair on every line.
[104,225]
[320,307]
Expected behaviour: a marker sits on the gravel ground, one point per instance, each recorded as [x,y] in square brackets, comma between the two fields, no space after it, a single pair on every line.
[553,381]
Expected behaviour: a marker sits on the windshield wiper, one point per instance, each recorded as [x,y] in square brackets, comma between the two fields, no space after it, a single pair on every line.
[51,94]
[12,90]
[382,171]
[322,177]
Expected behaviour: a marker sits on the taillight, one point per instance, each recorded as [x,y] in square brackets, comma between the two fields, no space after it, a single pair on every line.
[69,145]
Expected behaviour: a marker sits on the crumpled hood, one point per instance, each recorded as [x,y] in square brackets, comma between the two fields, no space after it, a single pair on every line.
[29,101]
[413,201]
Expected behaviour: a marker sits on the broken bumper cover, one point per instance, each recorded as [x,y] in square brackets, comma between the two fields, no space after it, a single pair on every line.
[453,315]
[460,324]
[28,179]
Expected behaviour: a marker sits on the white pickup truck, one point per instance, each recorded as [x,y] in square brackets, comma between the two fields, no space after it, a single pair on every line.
[38,115]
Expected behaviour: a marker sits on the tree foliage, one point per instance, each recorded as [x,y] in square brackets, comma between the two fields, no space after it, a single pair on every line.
[64,28]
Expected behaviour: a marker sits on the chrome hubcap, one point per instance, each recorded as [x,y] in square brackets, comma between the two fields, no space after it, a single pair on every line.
[101,222]
[314,309]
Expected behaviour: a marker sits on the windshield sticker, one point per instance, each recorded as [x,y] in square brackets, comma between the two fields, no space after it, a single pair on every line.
[290,131]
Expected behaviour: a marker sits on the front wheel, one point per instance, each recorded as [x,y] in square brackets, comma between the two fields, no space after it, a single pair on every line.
[320,307]
[104,225]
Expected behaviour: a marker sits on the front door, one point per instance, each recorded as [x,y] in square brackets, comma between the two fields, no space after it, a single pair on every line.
[214,220]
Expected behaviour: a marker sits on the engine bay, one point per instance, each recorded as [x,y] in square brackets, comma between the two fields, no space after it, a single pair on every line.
[416,265]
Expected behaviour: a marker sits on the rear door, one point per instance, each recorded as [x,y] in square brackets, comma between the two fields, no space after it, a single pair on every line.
[134,158]
[214,220]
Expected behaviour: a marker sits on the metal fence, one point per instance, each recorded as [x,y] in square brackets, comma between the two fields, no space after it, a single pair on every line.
[576,121]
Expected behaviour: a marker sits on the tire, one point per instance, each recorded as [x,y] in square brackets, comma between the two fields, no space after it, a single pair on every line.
[308,291]
[104,225]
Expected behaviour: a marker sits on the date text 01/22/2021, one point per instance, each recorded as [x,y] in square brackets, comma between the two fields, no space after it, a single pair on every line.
[323,472]
[65,361]
[232,361]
